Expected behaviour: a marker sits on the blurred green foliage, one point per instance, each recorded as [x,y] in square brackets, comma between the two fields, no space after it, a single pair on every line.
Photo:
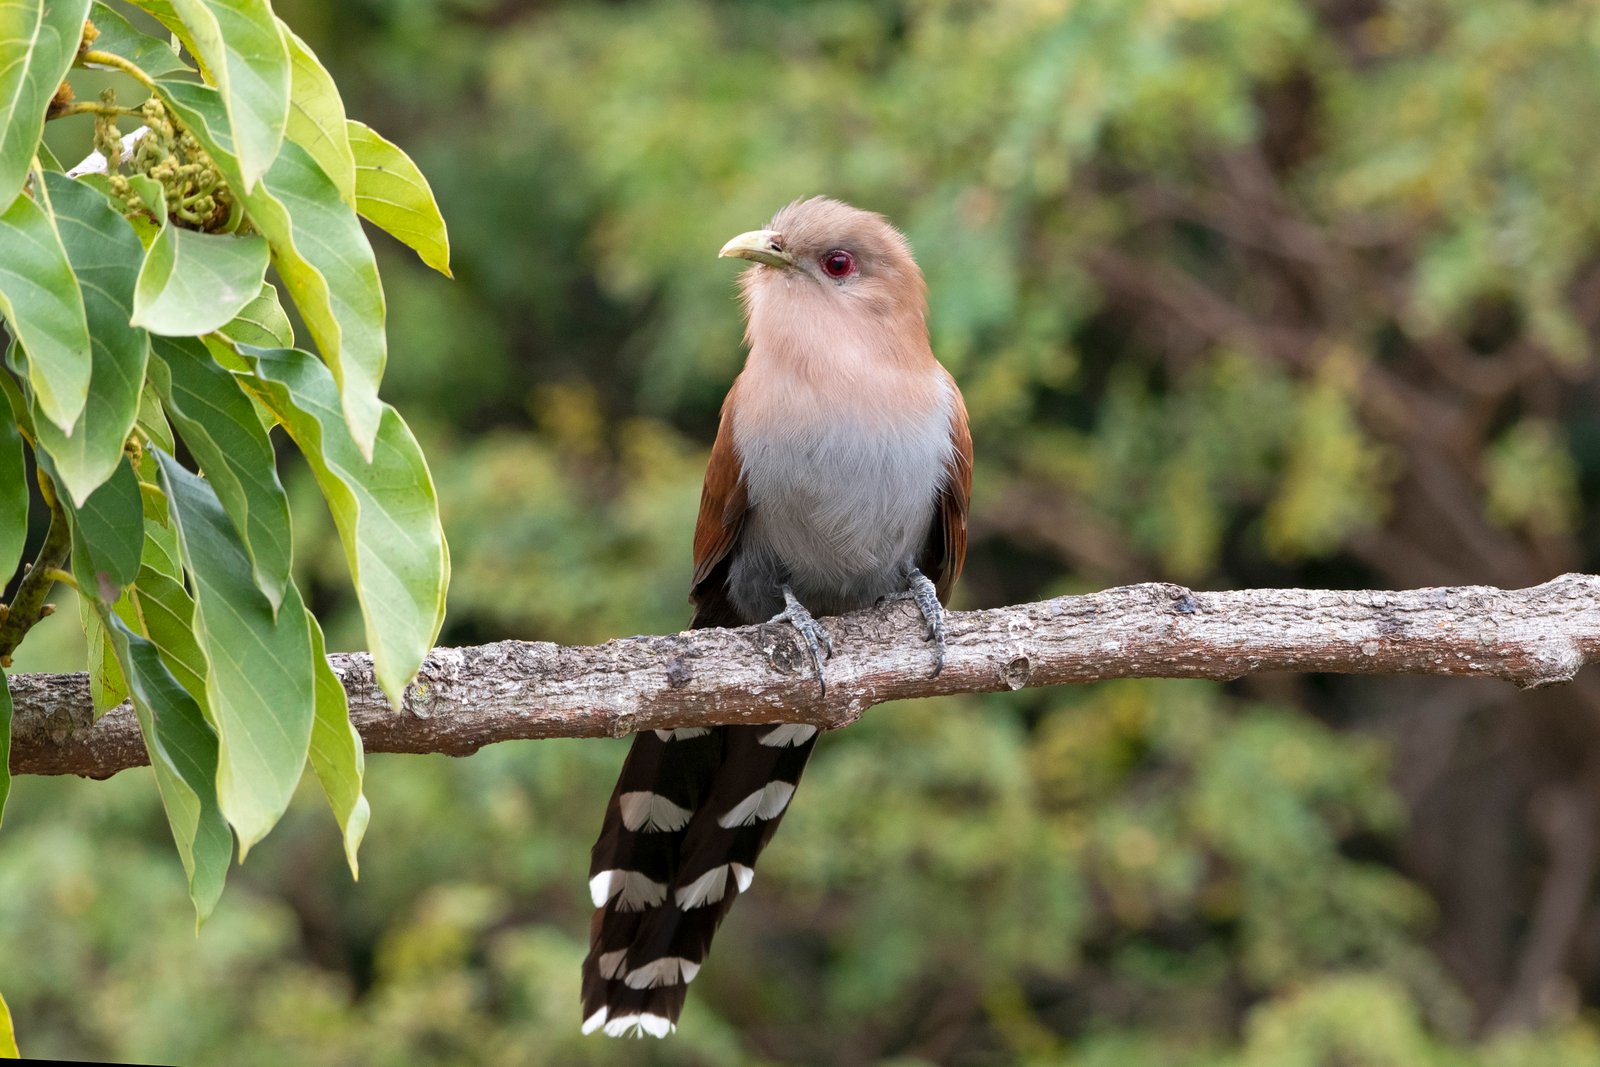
[1249,292]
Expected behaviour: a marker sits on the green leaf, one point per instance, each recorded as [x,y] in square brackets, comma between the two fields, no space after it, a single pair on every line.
[392,193]
[320,252]
[107,535]
[8,1035]
[261,322]
[5,757]
[386,511]
[316,117]
[117,36]
[38,40]
[13,494]
[183,752]
[260,678]
[104,253]
[336,754]
[241,46]
[107,688]
[152,421]
[192,283]
[158,607]
[42,304]
[218,422]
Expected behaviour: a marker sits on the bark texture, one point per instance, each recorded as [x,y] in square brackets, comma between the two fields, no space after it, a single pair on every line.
[465,698]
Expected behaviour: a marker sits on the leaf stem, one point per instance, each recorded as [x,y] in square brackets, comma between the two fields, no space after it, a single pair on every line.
[28,606]
[127,66]
[88,107]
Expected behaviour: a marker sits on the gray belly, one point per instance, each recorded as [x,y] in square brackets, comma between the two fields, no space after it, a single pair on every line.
[839,523]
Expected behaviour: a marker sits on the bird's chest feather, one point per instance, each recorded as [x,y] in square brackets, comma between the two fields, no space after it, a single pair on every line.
[841,483]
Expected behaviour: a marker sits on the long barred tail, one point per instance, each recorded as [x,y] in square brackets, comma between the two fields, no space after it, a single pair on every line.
[691,812]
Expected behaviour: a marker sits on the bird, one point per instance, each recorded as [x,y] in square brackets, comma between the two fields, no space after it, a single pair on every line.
[839,479]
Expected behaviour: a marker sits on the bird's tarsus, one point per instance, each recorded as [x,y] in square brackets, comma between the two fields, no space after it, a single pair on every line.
[812,632]
[920,590]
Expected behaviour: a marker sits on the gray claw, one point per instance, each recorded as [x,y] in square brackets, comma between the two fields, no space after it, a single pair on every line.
[921,591]
[812,632]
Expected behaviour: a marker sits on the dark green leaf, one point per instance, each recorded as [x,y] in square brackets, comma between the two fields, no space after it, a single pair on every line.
[183,752]
[105,254]
[5,746]
[107,535]
[38,39]
[43,306]
[386,510]
[218,422]
[260,678]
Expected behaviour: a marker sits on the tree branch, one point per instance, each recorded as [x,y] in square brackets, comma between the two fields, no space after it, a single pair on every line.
[465,698]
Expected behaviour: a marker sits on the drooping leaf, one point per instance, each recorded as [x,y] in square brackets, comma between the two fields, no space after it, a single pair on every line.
[160,608]
[38,39]
[218,422]
[316,117]
[261,322]
[152,421]
[107,535]
[260,679]
[386,511]
[119,37]
[105,254]
[192,283]
[107,687]
[392,193]
[243,49]
[43,306]
[336,754]
[319,250]
[13,493]
[183,752]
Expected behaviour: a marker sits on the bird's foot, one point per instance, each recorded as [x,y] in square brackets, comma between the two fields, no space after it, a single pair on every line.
[813,633]
[920,590]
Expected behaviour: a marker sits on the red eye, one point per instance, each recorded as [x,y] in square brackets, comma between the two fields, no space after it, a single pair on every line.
[838,263]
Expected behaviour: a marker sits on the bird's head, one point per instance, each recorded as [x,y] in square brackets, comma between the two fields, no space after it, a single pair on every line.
[826,254]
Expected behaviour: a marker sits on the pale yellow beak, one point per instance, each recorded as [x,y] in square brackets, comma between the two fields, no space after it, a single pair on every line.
[760,246]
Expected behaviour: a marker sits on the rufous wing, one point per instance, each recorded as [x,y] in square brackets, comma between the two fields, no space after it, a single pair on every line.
[723,504]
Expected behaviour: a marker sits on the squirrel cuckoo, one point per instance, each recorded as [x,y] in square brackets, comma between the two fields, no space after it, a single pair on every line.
[839,478]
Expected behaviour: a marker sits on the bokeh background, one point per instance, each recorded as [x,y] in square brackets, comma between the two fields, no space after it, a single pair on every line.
[1240,292]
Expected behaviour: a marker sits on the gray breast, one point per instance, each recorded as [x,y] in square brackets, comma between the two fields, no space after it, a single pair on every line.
[838,508]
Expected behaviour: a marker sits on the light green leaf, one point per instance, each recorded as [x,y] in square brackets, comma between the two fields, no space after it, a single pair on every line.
[13,494]
[241,46]
[386,511]
[152,421]
[260,679]
[261,322]
[38,39]
[192,283]
[107,688]
[319,250]
[118,37]
[107,535]
[158,607]
[8,1035]
[316,117]
[183,752]
[336,754]
[392,193]
[105,254]
[43,306]
[5,760]
[218,422]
